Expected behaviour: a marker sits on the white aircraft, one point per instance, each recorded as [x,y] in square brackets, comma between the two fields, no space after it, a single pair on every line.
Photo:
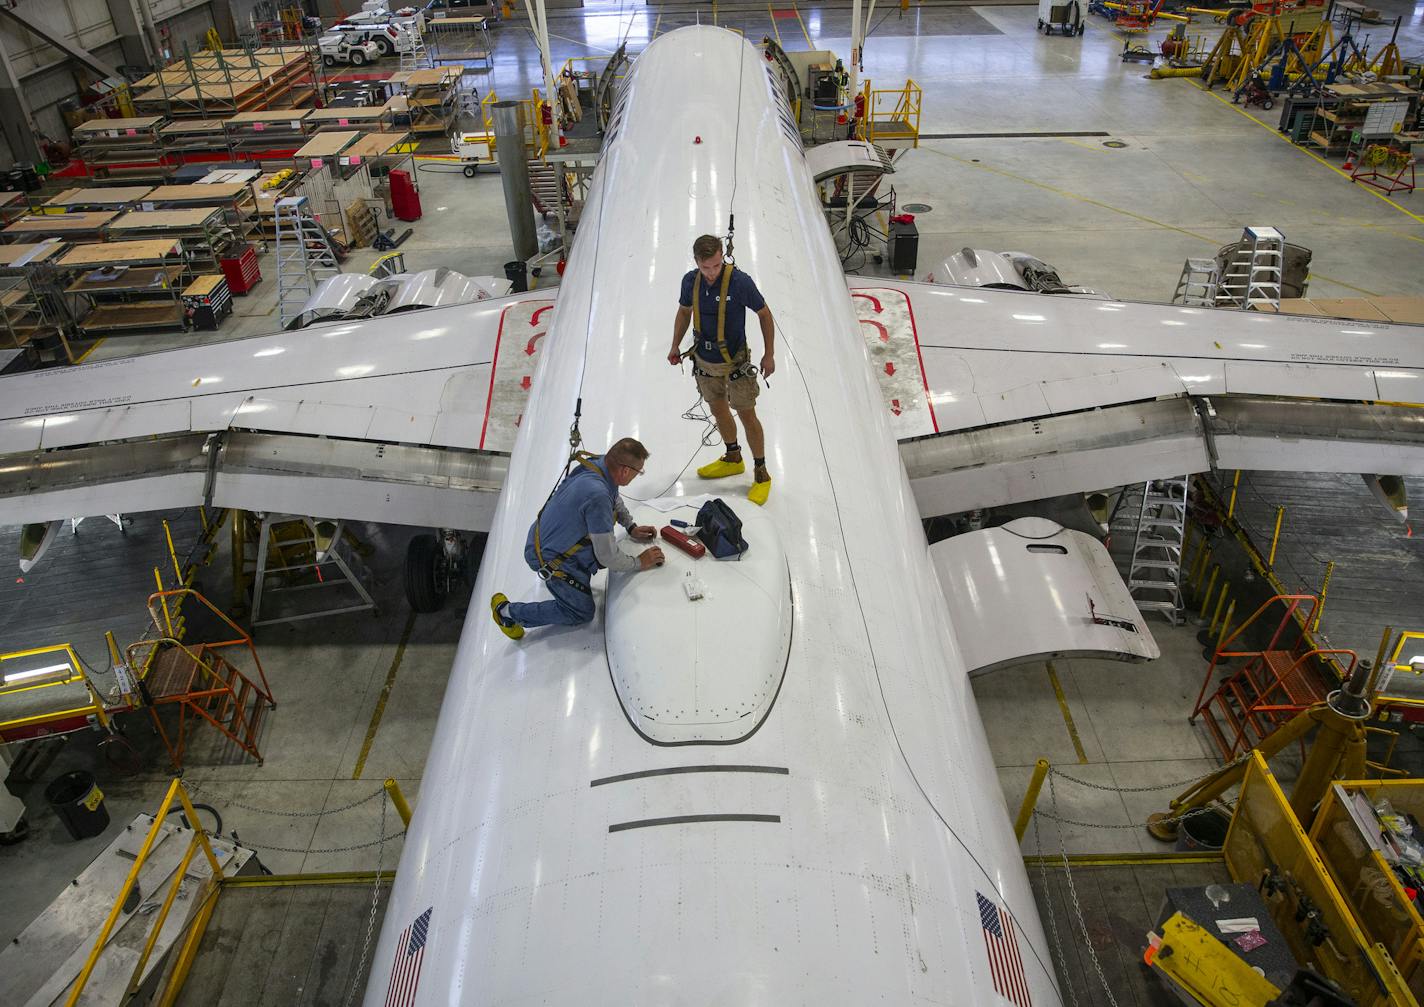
[780,793]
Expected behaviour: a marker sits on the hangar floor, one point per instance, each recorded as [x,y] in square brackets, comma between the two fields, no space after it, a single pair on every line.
[1015,156]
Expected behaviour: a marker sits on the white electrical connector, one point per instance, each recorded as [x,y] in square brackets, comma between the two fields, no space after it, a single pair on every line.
[693,587]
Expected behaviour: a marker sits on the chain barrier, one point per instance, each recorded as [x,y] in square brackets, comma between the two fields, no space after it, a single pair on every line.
[193,788]
[1072,888]
[370,920]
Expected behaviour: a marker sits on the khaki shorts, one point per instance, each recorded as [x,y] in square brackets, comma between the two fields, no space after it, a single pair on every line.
[713,384]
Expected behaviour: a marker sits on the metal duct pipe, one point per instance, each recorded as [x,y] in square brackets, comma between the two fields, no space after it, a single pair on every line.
[514,172]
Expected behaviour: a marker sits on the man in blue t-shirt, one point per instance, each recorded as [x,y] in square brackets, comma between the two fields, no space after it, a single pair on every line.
[572,539]
[720,357]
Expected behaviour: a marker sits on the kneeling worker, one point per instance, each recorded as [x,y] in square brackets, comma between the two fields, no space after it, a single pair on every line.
[715,298]
[572,539]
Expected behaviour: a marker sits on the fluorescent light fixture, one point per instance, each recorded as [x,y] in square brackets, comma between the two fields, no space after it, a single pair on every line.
[1357,332]
[1172,321]
[1030,318]
[355,370]
[1252,346]
[271,351]
[1112,346]
[971,300]
[30,674]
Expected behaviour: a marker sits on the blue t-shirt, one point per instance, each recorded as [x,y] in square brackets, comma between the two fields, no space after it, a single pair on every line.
[742,294]
[582,506]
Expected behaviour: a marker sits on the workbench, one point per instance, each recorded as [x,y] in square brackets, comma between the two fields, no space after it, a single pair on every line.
[235,199]
[203,231]
[371,117]
[125,286]
[267,129]
[459,40]
[22,314]
[70,226]
[128,148]
[113,197]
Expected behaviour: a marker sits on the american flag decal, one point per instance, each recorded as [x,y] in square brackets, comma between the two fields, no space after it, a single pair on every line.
[1001,940]
[405,970]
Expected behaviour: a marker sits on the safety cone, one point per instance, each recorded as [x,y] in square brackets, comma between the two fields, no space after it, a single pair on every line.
[1349,164]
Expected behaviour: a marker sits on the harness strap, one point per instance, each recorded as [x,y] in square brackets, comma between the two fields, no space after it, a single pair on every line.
[553,568]
[721,311]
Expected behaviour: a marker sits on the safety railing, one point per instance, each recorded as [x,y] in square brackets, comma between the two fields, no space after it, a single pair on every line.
[27,672]
[892,116]
[239,638]
[199,842]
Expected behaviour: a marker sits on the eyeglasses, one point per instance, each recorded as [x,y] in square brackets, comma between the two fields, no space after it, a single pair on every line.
[636,472]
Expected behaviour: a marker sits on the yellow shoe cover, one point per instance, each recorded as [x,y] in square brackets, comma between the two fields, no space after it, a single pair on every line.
[508,627]
[721,468]
[759,492]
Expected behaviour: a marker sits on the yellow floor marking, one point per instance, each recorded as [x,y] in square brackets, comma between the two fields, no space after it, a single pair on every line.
[656,23]
[380,709]
[774,26]
[809,43]
[1112,209]
[97,343]
[1308,153]
[1067,715]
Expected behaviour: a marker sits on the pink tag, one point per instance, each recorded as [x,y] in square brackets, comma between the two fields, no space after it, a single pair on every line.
[316,163]
[1250,941]
[356,160]
[259,126]
[130,132]
[343,122]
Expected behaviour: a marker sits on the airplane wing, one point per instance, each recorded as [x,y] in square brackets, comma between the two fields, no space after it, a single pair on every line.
[406,418]
[1001,396]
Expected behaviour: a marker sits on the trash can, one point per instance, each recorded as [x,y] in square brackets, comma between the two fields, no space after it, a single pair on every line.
[515,274]
[1202,830]
[79,803]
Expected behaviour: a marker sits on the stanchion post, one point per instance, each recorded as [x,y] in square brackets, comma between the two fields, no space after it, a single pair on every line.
[398,799]
[1035,784]
[1275,538]
[1324,587]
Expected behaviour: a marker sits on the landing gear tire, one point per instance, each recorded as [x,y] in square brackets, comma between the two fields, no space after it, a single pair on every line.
[424,574]
[469,171]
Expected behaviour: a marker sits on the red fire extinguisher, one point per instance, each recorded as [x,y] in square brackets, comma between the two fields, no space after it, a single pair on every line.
[859,107]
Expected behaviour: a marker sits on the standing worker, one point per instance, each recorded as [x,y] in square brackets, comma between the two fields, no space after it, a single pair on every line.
[720,358]
[572,539]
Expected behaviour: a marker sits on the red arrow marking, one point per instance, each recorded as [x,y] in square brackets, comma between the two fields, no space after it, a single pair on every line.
[884,334]
[526,383]
[895,406]
[890,368]
[534,319]
[529,346]
[871,298]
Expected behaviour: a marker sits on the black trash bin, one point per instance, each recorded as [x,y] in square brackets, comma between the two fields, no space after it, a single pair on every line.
[79,803]
[1202,830]
[515,273]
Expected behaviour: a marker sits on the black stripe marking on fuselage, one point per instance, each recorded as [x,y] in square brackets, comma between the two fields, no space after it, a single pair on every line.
[648,823]
[676,770]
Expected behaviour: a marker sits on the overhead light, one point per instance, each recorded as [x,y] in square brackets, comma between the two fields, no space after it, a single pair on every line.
[33,674]
[1030,318]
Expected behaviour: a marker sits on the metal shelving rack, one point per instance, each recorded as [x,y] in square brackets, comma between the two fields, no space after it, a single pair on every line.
[122,148]
[209,85]
[125,286]
[203,231]
[183,138]
[267,129]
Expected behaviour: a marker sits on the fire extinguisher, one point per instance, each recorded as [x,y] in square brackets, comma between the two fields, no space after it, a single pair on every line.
[859,107]
[546,113]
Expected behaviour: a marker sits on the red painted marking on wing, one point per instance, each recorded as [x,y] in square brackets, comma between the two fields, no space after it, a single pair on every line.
[875,301]
[884,333]
[895,406]
[526,382]
[890,368]
[530,346]
[534,319]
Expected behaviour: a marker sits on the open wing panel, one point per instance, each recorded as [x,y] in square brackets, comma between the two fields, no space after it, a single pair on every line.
[403,418]
[1029,395]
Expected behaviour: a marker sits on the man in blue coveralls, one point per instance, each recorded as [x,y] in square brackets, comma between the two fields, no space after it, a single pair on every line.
[572,539]
[721,360]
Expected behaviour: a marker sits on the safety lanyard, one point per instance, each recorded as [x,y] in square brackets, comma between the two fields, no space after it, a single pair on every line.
[721,311]
[553,566]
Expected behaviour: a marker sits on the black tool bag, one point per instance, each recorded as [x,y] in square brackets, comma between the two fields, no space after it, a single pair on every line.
[720,530]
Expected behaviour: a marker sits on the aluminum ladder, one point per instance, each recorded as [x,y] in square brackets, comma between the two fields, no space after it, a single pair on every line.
[1155,569]
[415,57]
[304,256]
[1253,276]
[1197,284]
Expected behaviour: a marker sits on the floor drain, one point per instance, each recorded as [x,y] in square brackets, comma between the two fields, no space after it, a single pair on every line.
[917,208]
[1115,144]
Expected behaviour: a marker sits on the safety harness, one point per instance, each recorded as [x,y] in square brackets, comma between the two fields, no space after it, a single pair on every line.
[721,311]
[553,569]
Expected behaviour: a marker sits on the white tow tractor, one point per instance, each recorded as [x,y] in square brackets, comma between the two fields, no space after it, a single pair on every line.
[347,48]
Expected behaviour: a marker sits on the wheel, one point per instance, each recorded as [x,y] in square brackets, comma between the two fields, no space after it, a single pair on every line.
[469,171]
[358,58]
[1267,103]
[384,46]
[329,60]
[424,574]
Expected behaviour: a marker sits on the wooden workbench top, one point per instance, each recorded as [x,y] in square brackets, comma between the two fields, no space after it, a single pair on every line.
[101,126]
[459,22]
[429,77]
[184,127]
[364,113]
[328,144]
[119,252]
[196,191]
[39,251]
[146,220]
[265,115]
[116,195]
[376,144]
[61,223]
[204,285]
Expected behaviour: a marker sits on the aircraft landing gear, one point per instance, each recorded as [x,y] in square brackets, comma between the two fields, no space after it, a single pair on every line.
[437,566]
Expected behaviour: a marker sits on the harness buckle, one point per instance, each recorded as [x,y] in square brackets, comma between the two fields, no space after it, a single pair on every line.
[544,574]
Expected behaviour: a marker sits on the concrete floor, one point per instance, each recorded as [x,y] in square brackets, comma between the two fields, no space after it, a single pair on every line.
[1193,171]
